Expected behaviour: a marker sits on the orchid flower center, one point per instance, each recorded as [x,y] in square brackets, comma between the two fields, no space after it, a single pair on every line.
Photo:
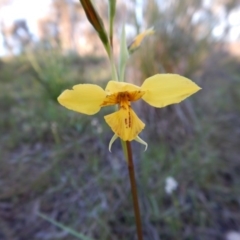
[123,99]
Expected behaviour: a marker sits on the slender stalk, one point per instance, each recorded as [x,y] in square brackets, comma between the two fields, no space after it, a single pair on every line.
[113,69]
[111,33]
[127,150]
[134,191]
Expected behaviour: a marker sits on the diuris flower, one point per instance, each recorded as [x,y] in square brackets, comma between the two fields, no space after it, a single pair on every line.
[159,91]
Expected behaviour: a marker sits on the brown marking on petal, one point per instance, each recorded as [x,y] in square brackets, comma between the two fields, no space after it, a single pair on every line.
[135,95]
[126,122]
[129,120]
[128,96]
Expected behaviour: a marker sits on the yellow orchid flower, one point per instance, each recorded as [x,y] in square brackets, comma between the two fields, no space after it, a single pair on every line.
[159,91]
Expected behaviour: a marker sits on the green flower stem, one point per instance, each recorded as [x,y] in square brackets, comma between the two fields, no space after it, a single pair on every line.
[127,150]
[113,68]
[134,191]
[112,11]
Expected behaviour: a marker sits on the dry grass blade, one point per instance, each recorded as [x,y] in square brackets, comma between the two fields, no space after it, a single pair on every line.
[96,21]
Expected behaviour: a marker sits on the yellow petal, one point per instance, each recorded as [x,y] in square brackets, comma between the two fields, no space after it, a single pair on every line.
[109,100]
[115,87]
[125,123]
[165,89]
[135,95]
[84,98]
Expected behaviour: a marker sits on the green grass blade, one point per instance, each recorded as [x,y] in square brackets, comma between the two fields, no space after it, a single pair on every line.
[112,11]
[124,55]
[67,229]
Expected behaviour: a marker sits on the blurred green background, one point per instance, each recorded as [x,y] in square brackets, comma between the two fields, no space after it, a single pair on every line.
[57,162]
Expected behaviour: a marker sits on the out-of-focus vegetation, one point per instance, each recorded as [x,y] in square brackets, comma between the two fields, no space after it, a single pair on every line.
[56,162]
